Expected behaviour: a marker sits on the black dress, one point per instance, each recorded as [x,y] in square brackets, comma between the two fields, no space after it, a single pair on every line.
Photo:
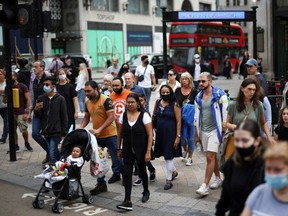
[68,92]
[166,133]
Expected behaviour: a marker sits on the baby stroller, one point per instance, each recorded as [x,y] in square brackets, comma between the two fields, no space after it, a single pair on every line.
[66,185]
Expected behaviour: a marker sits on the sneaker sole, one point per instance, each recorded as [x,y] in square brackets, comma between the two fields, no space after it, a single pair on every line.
[125,208]
[202,194]
[214,188]
[137,184]
[190,164]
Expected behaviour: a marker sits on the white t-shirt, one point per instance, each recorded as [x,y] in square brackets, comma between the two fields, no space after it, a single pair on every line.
[78,161]
[146,83]
[197,72]
[146,119]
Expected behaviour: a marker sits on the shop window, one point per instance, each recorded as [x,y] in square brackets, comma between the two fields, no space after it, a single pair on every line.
[204,7]
[105,5]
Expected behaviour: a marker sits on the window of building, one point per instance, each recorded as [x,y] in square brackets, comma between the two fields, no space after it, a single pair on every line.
[227,3]
[204,7]
[282,3]
[138,7]
[245,2]
[105,5]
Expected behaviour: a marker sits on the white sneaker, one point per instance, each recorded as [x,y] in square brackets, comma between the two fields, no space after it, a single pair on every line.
[216,183]
[184,156]
[189,162]
[203,190]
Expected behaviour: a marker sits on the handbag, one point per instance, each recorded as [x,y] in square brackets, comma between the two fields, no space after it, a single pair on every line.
[141,78]
[228,147]
[187,100]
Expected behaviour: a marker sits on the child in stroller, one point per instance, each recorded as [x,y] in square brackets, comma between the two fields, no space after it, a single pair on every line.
[64,178]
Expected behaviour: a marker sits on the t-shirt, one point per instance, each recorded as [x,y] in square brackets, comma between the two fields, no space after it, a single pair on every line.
[98,111]
[237,117]
[2,87]
[146,119]
[22,100]
[119,102]
[146,83]
[113,70]
[207,125]
[282,133]
[78,161]
[262,202]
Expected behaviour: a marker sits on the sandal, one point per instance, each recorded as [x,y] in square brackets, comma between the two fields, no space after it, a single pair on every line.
[174,175]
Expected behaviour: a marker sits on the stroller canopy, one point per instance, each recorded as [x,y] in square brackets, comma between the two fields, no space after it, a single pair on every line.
[78,137]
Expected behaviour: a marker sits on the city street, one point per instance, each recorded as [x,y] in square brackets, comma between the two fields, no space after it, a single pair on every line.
[180,200]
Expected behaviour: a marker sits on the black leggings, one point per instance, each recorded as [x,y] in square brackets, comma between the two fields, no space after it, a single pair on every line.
[128,172]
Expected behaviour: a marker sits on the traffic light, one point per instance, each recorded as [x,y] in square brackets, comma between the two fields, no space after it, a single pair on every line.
[26,21]
[8,15]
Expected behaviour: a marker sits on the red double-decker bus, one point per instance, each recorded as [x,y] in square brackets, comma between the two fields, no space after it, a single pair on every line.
[212,40]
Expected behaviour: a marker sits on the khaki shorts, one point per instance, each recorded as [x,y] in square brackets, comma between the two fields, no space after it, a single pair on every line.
[22,125]
[210,141]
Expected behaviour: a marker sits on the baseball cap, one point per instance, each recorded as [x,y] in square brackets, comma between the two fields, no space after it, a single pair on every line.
[196,56]
[252,62]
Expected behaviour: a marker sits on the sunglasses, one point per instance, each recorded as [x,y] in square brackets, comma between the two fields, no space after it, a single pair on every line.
[202,81]
[170,74]
[46,84]
[249,66]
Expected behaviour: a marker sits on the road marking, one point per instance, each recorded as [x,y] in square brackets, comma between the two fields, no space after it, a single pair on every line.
[76,207]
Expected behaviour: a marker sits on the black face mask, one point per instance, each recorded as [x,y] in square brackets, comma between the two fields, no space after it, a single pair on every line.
[245,152]
[146,61]
[125,69]
[118,91]
[166,97]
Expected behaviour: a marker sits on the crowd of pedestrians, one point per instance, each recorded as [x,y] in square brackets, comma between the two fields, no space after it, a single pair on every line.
[188,110]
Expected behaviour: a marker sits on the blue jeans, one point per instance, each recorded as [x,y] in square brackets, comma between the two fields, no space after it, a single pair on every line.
[36,128]
[189,142]
[53,149]
[117,164]
[4,115]
[148,95]
[81,100]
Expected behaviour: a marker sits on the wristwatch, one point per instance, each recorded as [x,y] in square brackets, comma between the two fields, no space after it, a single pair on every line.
[178,135]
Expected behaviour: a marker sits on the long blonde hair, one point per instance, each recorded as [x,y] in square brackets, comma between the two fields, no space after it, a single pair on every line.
[83,70]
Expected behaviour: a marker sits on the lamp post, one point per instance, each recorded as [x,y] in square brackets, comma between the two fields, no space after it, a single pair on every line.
[164,30]
[254,8]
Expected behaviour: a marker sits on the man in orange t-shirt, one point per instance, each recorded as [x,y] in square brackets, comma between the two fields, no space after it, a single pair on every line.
[100,109]
[118,97]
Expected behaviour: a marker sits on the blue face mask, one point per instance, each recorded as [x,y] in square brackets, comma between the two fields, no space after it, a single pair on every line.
[276,181]
[47,89]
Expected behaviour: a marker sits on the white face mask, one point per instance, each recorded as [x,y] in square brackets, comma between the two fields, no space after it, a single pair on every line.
[62,76]
[197,60]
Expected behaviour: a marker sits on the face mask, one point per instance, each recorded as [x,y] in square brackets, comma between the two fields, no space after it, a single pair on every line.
[245,152]
[146,61]
[13,82]
[117,91]
[165,97]
[47,89]
[125,69]
[62,76]
[276,181]
[197,60]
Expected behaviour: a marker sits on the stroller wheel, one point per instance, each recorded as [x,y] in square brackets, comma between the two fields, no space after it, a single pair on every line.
[88,199]
[38,204]
[58,208]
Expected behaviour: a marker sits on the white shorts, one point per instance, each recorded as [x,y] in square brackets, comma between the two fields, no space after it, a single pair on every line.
[210,141]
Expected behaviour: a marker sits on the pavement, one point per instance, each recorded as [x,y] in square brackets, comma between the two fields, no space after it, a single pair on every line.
[181,199]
